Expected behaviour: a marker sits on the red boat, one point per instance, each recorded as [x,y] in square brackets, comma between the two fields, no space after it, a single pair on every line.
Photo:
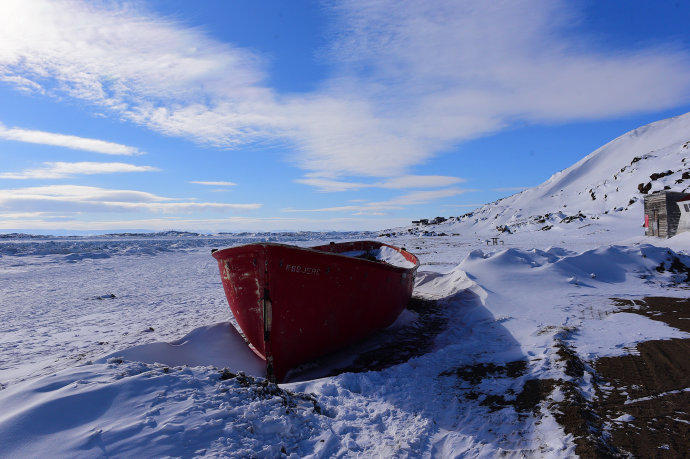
[295,304]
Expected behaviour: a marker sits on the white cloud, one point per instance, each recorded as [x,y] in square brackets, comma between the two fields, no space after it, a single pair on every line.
[219,183]
[23,84]
[421,197]
[399,202]
[328,185]
[420,181]
[58,170]
[77,198]
[67,141]
[16,215]
[409,80]
[140,66]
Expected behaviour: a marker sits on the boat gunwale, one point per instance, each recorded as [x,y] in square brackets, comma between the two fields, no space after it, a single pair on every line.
[218,254]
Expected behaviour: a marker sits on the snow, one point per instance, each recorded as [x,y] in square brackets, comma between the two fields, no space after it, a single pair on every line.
[616,334]
[115,345]
[385,254]
[159,392]
[624,418]
[643,399]
[134,409]
[218,345]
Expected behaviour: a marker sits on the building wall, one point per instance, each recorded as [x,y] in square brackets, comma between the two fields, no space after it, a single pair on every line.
[655,208]
[664,213]
[684,223]
[673,212]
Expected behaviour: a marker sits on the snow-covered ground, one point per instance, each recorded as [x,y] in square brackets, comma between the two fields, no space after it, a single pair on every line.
[116,345]
[65,322]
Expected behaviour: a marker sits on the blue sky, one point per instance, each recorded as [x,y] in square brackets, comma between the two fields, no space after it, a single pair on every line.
[234,116]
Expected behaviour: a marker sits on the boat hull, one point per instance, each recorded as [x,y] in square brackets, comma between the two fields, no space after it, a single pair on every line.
[295,304]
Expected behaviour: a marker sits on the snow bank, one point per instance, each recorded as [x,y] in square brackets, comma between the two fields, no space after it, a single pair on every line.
[218,345]
[384,254]
[536,293]
[136,409]
[617,334]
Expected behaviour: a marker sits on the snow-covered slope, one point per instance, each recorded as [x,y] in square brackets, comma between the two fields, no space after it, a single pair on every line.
[607,186]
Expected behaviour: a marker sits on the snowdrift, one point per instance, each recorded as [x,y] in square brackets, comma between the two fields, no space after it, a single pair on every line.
[219,345]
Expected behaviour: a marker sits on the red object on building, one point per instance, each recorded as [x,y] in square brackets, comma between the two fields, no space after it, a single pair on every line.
[295,304]
[646,221]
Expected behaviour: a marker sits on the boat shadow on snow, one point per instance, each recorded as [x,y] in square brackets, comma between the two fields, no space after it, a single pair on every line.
[412,335]
[449,361]
[446,360]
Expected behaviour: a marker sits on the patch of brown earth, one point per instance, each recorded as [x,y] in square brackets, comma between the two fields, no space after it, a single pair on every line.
[579,418]
[533,392]
[574,412]
[672,311]
[651,389]
[475,373]
[642,406]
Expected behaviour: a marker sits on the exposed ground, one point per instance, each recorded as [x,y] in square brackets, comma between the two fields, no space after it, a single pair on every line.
[649,390]
[641,405]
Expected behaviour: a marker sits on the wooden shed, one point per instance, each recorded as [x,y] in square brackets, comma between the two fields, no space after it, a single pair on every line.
[662,213]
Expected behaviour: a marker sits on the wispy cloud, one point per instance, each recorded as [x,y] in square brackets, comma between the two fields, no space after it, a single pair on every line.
[59,170]
[77,198]
[409,80]
[420,181]
[399,202]
[328,185]
[22,84]
[219,183]
[21,215]
[67,141]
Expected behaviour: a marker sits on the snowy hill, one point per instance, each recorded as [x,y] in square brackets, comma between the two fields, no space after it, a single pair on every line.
[607,185]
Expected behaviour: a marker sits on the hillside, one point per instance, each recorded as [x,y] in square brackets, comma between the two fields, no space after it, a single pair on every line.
[606,187]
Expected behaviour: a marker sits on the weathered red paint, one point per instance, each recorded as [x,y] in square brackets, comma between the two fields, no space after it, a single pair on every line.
[294,304]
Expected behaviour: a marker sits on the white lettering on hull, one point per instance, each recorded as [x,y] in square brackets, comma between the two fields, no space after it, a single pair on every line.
[303,269]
